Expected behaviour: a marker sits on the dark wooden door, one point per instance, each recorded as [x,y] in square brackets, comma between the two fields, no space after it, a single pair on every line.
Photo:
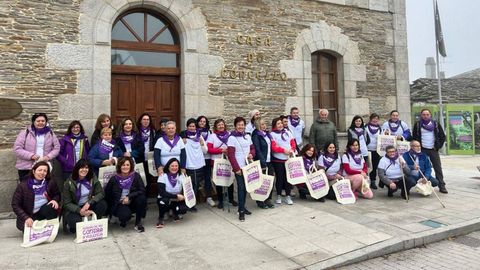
[133,95]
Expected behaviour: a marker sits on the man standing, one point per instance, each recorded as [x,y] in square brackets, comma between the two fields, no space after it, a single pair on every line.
[323,131]
[296,126]
[431,136]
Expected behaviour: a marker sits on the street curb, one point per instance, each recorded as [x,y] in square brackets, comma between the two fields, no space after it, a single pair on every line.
[397,244]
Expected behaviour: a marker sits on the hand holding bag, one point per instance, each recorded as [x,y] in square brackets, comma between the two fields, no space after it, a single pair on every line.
[188,192]
[295,170]
[317,183]
[252,173]
[343,191]
[91,230]
[262,193]
[222,174]
[42,231]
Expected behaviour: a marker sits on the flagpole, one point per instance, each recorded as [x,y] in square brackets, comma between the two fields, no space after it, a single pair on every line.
[439,81]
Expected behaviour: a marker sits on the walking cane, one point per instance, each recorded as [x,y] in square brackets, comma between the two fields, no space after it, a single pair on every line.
[405,186]
[421,173]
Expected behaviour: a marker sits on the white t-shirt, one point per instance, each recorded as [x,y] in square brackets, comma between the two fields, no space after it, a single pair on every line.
[399,131]
[206,154]
[177,189]
[428,139]
[249,128]
[168,153]
[372,146]
[392,171]
[347,159]
[333,170]
[215,141]
[285,144]
[195,158]
[297,131]
[40,144]
[242,148]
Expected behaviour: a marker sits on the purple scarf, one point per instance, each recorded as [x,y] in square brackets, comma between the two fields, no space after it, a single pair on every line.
[105,147]
[329,159]
[38,187]
[75,138]
[172,178]
[282,132]
[264,134]
[357,156]
[194,136]
[393,159]
[145,134]
[127,138]
[223,136]
[414,154]
[238,134]
[373,128]
[427,124]
[359,132]
[40,131]
[86,183]
[125,182]
[294,122]
[204,132]
[176,138]
[307,162]
[395,126]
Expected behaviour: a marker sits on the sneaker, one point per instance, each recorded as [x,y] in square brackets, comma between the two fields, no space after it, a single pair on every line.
[233,203]
[262,205]
[442,189]
[247,212]
[210,201]
[372,184]
[269,204]
[139,227]
[160,223]
[288,200]
[241,216]
[278,200]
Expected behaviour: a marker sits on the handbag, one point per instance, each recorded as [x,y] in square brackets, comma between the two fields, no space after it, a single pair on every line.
[317,183]
[42,231]
[365,186]
[295,171]
[383,141]
[188,192]
[343,191]
[425,189]
[105,173]
[222,173]
[151,167]
[262,193]
[402,146]
[252,175]
[91,230]
[141,170]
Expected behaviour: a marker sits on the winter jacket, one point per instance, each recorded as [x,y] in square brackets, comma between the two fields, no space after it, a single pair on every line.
[23,201]
[261,148]
[437,133]
[25,147]
[69,197]
[66,157]
[113,192]
[423,163]
[138,148]
[321,133]
[96,158]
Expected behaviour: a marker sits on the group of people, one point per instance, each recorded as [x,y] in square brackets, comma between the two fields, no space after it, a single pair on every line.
[192,153]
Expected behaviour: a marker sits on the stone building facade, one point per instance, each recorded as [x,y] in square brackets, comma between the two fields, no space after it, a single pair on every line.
[235,56]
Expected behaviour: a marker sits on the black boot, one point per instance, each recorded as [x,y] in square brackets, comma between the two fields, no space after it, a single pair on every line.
[372,184]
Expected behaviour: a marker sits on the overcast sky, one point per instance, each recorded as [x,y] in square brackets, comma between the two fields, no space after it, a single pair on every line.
[461,30]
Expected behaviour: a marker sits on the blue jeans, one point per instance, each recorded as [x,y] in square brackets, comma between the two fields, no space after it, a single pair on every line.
[414,179]
[241,192]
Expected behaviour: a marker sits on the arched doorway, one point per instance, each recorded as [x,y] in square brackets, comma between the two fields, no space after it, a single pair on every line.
[145,67]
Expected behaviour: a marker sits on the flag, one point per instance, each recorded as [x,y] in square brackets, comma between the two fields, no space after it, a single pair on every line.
[438,32]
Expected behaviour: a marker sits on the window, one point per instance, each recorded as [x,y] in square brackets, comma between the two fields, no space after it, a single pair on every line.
[324,84]
[144,41]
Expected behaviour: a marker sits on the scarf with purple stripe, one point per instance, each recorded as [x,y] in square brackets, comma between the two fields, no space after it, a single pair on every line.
[82,182]
[145,134]
[392,159]
[223,136]
[294,121]
[282,132]
[172,178]
[125,182]
[359,131]
[264,134]
[176,138]
[238,134]
[357,156]
[427,124]
[329,159]
[204,132]
[307,163]
[38,187]
[193,135]
[40,131]
[105,147]
[126,139]
[373,128]
[393,126]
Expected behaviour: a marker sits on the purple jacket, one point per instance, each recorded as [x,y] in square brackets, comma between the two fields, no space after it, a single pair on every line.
[25,147]
[67,152]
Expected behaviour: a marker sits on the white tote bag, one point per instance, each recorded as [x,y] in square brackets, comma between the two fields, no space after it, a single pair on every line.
[402,146]
[295,170]
[91,230]
[141,170]
[261,193]
[188,192]
[42,231]
[222,174]
[317,183]
[252,174]
[425,189]
[151,167]
[383,141]
[105,173]
[343,191]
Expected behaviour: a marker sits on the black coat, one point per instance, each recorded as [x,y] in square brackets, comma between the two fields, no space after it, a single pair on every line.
[113,192]
[261,148]
[438,133]
[138,148]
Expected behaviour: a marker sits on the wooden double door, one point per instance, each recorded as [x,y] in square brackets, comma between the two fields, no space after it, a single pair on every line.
[133,95]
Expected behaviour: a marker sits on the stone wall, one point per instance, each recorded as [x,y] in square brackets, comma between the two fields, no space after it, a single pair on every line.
[454,91]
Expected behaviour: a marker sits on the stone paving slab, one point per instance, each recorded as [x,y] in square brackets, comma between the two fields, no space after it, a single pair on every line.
[309,234]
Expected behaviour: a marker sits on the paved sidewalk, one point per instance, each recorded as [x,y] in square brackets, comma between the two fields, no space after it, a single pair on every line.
[309,234]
